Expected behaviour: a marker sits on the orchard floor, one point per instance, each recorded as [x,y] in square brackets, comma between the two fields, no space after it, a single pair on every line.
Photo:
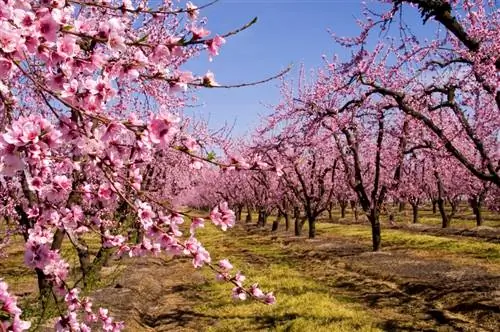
[419,282]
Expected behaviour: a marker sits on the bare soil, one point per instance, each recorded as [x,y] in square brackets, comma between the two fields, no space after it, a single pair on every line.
[406,291]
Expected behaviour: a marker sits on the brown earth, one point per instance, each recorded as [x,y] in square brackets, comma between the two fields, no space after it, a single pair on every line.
[406,291]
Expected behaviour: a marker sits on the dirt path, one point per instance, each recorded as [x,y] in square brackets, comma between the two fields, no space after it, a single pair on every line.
[405,291]
[155,294]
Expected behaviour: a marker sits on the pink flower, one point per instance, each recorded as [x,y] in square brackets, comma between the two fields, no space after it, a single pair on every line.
[62,182]
[256,291]
[196,223]
[198,32]
[67,47]
[162,128]
[5,68]
[269,298]
[222,216]
[213,46]
[209,79]
[225,265]
[48,27]
[105,192]
[192,10]
[239,293]
[36,184]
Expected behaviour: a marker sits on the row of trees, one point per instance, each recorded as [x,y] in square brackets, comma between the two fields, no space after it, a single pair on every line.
[93,143]
[411,120]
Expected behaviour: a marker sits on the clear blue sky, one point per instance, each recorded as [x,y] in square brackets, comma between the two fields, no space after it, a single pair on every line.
[287,31]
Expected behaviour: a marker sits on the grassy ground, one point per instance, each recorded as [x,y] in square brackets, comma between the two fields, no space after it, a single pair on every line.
[419,282]
[464,218]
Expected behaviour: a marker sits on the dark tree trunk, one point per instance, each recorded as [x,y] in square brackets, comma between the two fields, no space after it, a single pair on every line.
[402,206]
[262,220]
[248,219]
[414,208]
[476,208]
[239,211]
[276,222]
[312,226]
[287,221]
[354,207]
[445,221]
[343,206]
[454,208]
[375,222]
[434,204]
[85,265]
[330,212]
[297,226]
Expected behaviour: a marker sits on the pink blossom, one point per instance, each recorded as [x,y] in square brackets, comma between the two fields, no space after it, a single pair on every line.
[192,10]
[225,265]
[239,293]
[162,127]
[222,216]
[48,27]
[198,32]
[5,68]
[213,46]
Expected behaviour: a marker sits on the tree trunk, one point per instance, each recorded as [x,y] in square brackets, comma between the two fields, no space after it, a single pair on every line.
[375,222]
[354,207]
[414,207]
[312,226]
[248,219]
[287,221]
[276,222]
[454,208]
[239,211]
[434,203]
[330,212]
[402,206]
[476,208]
[85,265]
[445,222]
[297,226]
[343,206]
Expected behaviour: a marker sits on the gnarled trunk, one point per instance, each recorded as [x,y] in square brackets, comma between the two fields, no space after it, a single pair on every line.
[434,206]
[375,222]
[248,218]
[475,204]
[445,221]
[414,208]
[354,207]
[343,206]
[312,226]
[276,222]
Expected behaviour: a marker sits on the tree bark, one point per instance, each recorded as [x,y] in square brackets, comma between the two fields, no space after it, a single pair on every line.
[297,226]
[434,204]
[276,222]
[354,207]
[375,222]
[414,207]
[476,208]
[248,219]
[343,206]
[445,222]
[312,226]
[287,221]
[239,211]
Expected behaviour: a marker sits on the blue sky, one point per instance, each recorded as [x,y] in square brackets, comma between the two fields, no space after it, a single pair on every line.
[287,32]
